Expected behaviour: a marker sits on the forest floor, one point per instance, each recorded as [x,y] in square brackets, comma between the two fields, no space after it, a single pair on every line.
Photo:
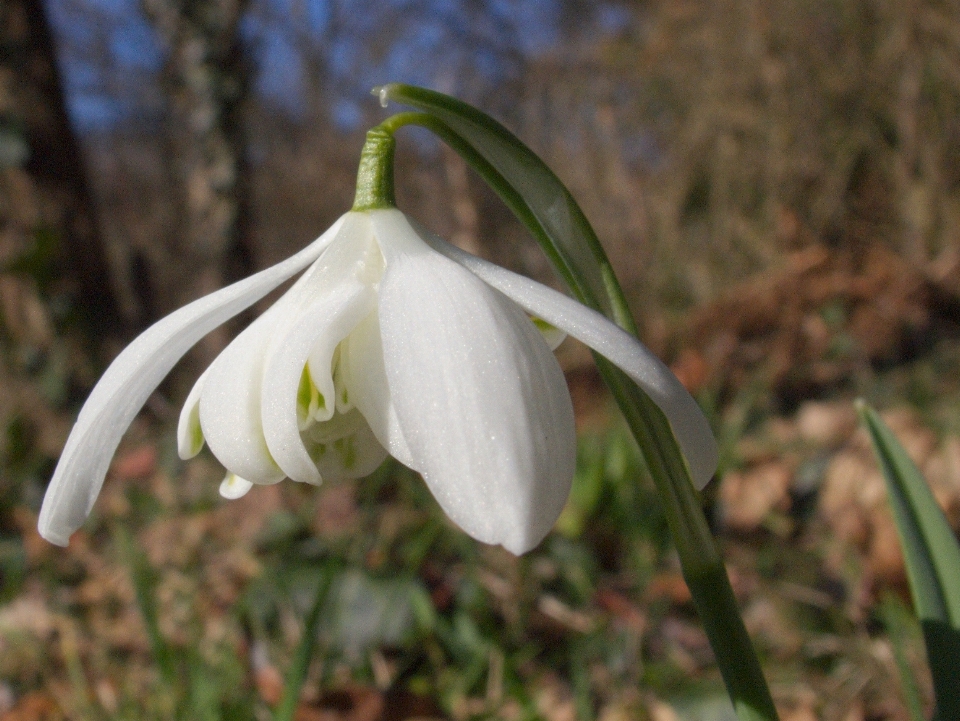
[174,603]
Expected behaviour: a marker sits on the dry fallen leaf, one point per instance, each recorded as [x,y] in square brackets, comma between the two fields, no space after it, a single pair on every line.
[136,463]
[34,706]
[746,497]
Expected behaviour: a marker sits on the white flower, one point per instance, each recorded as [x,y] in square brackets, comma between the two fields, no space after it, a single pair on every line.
[391,341]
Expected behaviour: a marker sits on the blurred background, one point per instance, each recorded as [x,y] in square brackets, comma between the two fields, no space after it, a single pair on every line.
[777,183]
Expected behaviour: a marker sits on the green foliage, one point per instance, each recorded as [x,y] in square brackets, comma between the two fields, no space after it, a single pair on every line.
[900,624]
[932,557]
[191,686]
[39,260]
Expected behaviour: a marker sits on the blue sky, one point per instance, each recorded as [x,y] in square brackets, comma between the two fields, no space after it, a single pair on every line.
[110,54]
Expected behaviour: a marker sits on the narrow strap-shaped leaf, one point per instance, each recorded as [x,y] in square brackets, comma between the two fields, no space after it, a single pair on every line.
[899,623]
[932,557]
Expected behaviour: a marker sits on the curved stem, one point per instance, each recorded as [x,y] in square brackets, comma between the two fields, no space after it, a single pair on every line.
[701,561]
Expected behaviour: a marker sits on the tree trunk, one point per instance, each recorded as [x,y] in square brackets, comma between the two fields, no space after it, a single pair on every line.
[206,81]
[44,195]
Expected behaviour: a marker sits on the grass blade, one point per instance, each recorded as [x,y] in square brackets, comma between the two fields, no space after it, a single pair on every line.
[899,623]
[144,583]
[286,710]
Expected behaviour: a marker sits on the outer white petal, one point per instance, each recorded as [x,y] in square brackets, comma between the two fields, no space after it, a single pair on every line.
[129,381]
[480,397]
[233,487]
[689,424]
[189,433]
[316,333]
[361,359]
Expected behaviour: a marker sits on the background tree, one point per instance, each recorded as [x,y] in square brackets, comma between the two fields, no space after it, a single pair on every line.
[44,196]
[205,82]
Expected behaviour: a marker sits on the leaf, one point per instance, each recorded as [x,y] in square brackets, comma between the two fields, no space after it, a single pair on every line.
[900,623]
[932,558]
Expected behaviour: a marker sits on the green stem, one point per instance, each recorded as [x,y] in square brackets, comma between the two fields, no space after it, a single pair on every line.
[297,674]
[375,174]
[701,561]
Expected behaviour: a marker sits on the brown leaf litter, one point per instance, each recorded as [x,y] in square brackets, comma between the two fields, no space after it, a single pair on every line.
[810,323]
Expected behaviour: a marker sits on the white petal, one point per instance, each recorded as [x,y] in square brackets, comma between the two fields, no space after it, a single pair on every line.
[233,487]
[230,402]
[189,433]
[689,424]
[129,381]
[364,377]
[230,405]
[479,395]
[316,333]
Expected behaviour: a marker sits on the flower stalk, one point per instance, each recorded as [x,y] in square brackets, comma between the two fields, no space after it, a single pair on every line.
[534,193]
[700,560]
[375,174]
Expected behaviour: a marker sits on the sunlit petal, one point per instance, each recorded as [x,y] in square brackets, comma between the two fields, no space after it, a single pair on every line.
[689,425]
[230,403]
[129,381]
[479,395]
[317,332]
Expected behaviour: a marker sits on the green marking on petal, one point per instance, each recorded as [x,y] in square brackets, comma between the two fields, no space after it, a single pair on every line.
[341,396]
[551,334]
[310,401]
[196,434]
[304,397]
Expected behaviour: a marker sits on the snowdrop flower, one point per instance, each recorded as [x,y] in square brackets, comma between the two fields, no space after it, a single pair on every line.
[391,341]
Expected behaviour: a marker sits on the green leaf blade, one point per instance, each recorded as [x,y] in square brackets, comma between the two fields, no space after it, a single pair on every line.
[932,557]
